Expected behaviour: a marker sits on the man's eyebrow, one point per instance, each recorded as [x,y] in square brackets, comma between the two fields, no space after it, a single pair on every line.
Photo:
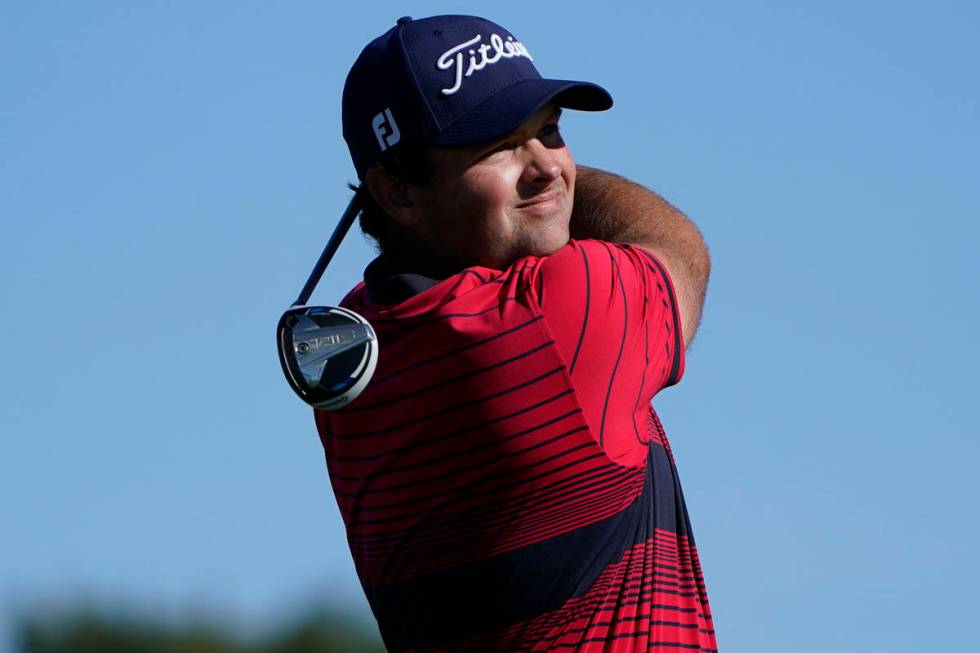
[491,144]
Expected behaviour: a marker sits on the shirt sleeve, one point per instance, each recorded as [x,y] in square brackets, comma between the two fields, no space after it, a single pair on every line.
[612,312]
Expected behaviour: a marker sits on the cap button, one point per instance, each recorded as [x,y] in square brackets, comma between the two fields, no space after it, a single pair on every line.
[404,19]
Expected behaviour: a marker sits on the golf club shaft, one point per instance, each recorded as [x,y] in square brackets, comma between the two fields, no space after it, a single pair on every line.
[346,220]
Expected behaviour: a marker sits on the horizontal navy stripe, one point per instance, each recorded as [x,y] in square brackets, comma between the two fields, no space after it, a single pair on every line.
[650,646]
[353,435]
[528,532]
[645,619]
[390,400]
[480,642]
[621,602]
[458,471]
[456,522]
[440,540]
[437,608]
[451,434]
[477,483]
[441,457]
[454,352]
[453,523]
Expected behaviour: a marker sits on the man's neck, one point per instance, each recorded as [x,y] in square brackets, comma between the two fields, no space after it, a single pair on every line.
[402,258]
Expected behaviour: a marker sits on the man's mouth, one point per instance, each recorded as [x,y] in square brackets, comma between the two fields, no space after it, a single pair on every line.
[544,199]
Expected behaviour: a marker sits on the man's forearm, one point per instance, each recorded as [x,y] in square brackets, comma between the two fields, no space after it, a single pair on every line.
[611,208]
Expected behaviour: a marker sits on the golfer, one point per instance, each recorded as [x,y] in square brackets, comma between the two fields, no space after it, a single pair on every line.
[505,483]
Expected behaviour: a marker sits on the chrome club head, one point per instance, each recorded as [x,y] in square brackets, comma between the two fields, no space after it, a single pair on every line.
[328,354]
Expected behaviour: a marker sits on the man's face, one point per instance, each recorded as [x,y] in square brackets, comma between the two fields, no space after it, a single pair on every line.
[492,203]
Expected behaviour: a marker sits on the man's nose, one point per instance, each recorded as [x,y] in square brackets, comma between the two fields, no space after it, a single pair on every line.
[541,167]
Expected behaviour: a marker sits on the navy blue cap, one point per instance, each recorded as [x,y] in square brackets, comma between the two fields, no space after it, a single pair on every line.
[447,80]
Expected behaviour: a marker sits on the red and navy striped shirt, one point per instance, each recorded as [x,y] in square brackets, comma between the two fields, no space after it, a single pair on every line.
[505,482]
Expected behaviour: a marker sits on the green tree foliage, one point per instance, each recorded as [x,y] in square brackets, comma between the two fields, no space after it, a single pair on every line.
[81,630]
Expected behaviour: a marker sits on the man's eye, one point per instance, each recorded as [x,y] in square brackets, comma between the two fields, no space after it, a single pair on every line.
[503,147]
[548,130]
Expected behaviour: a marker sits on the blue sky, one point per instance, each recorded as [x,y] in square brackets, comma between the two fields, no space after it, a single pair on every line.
[170,171]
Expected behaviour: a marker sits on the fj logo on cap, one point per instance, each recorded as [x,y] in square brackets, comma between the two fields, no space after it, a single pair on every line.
[386,129]
[480,58]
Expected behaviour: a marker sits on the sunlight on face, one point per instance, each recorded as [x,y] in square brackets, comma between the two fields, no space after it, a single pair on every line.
[493,203]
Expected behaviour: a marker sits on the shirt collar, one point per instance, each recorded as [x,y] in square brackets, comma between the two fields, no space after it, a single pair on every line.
[385,287]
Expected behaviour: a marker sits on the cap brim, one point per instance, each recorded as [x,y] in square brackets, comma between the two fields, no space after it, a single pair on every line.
[508,109]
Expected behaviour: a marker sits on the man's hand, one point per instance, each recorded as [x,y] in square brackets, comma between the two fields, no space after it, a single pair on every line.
[611,208]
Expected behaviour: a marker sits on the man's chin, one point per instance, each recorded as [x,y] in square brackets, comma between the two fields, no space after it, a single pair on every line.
[552,248]
[546,247]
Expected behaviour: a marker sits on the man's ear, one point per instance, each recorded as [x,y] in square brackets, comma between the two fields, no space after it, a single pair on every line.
[391,195]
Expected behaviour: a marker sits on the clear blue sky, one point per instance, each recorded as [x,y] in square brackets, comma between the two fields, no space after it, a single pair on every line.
[170,171]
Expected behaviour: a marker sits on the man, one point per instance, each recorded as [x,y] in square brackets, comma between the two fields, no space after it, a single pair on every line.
[504,481]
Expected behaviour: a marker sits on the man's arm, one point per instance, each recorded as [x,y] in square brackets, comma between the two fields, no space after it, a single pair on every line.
[611,208]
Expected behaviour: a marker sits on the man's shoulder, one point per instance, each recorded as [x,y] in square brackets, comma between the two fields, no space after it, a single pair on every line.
[407,294]
[413,296]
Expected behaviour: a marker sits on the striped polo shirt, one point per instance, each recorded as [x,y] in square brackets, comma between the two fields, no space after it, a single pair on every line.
[505,483]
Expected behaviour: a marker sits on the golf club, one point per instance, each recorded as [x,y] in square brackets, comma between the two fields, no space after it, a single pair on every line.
[328,353]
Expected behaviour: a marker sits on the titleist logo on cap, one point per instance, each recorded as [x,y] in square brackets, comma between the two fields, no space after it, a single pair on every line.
[480,58]
[444,81]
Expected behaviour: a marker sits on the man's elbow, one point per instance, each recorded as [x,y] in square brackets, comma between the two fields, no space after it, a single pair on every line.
[702,267]
[698,269]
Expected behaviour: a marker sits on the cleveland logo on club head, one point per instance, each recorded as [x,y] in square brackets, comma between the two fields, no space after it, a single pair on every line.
[480,57]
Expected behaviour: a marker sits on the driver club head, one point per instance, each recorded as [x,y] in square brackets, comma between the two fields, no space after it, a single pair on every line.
[327,353]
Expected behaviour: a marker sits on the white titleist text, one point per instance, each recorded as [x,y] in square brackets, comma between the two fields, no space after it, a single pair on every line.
[481,57]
